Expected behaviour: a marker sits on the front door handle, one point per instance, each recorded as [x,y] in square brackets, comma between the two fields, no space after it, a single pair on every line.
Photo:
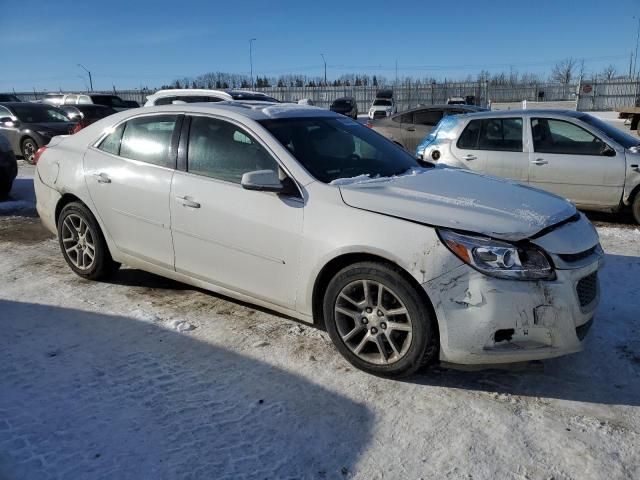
[102,177]
[470,157]
[411,129]
[539,161]
[188,202]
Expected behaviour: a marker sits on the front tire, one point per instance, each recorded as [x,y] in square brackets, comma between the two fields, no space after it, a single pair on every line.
[378,320]
[29,147]
[82,243]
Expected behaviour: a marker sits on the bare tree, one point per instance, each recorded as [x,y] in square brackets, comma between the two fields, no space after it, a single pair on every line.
[564,70]
[609,72]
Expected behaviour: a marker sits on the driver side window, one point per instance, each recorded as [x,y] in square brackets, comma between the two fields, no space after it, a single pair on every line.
[558,136]
[221,150]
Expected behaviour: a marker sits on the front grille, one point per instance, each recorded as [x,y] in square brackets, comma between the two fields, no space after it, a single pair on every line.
[583,329]
[379,114]
[575,257]
[587,289]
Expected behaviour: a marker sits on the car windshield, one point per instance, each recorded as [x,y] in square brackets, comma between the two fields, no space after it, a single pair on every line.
[342,103]
[382,103]
[624,139]
[34,113]
[332,148]
[109,101]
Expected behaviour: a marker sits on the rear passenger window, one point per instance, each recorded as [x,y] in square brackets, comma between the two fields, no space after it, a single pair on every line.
[504,134]
[111,144]
[220,150]
[406,118]
[500,134]
[148,139]
[427,117]
[469,138]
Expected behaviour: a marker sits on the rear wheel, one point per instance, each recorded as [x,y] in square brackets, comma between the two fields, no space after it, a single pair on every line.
[635,207]
[82,243]
[378,321]
[29,147]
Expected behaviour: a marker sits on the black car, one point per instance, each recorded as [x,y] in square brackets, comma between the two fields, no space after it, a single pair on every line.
[8,167]
[29,126]
[87,113]
[8,97]
[346,106]
[252,96]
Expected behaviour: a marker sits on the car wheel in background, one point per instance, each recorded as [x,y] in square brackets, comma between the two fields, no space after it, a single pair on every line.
[82,243]
[378,320]
[28,149]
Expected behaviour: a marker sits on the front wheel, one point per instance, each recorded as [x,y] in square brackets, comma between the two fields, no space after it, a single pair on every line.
[29,148]
[378,321]
[82,243]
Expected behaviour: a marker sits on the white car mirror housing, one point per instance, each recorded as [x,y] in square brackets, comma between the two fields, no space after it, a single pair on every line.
[262,180]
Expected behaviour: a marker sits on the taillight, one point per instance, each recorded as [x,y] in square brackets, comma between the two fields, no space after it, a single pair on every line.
[38,154]
[76,128]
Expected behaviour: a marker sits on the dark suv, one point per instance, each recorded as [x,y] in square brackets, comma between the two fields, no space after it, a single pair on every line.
[346,106]
[29,126]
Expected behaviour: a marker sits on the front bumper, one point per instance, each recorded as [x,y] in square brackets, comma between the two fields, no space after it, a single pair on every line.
[486,320]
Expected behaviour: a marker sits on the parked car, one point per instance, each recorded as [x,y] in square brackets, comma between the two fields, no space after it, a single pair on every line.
[29,126]
[8,167]
[401,264]
[569,153]
[8,97]
[86,114]
[383,106]
[345,106]
[306,101]
[188,95]
[131,104]
[408,128]
[248,95]
[108,100]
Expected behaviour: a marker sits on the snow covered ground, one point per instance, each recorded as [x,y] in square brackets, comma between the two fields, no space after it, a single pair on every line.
[141,377]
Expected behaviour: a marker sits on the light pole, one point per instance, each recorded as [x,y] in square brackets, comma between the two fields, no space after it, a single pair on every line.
[251,40]
[325,69]
[635,61]
[90,79]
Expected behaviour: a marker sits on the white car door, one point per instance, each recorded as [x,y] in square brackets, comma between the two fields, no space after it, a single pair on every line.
[129,179]
[501,139]
[247,241]
[465,150]
[574,163]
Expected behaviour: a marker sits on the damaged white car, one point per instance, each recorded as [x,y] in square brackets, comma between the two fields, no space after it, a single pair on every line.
[308,213]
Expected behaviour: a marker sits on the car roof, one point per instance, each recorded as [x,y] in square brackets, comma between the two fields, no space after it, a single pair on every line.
[188,91]
[13,104]
[250,109]
[344,98]
[536,111]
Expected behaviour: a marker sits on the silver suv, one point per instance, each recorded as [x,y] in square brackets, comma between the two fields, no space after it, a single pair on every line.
[571,154]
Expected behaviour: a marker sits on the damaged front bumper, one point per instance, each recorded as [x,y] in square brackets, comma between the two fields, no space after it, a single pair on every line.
[487,320]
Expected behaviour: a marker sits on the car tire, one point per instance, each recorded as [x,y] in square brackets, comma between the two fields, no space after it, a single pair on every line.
[28,148]
[82,243]
[635,207]
[389,333]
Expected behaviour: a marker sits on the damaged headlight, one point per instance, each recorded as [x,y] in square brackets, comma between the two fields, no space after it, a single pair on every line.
[497,258]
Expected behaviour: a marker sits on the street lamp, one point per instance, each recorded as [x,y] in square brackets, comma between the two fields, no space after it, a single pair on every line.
[251,40]
[90,79]
[635,60]
[325,68]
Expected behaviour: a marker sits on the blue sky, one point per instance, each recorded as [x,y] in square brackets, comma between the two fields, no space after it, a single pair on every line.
[147,43]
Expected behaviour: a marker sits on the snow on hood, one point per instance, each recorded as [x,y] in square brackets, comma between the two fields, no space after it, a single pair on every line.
[459,199]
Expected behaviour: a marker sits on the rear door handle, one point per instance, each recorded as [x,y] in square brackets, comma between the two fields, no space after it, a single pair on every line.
[411,129]
[635,167]
[539,161]
[470,157]
[102,177]
[188,202]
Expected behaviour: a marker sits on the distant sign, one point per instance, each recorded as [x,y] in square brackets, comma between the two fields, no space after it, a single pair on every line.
[587,88]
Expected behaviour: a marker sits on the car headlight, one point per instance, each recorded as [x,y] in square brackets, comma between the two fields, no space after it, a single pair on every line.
[497,258]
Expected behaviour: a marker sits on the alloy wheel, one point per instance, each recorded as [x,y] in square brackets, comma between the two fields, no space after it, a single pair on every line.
[78,242]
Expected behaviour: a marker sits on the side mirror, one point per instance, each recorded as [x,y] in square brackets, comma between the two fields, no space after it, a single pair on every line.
[9,122]
[607,151]
[263,181]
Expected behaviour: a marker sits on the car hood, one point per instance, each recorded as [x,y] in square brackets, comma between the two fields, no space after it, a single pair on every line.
[459,199]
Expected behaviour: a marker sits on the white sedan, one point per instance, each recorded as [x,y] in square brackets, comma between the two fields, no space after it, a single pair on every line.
[310,214]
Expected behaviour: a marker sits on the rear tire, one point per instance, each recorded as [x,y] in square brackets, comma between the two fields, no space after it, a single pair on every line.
[378,320]
[28,148]
[635,207]
[82,243]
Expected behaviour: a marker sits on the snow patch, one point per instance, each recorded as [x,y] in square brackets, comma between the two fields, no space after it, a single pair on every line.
[365,178]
